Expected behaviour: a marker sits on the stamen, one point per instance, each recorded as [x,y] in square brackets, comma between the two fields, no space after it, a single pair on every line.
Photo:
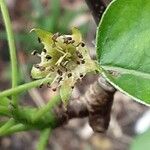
[55,36]
[62,65]
[41,86]
[78,62]
[34,52]
[66,62]
[48,57]
[69,38]
[81,75]
[83,61]
[79,54]
[66,41]
[54,89]
[44,50]
[71,42]
[59,72]
[69,75]
[82,44]
[48,85]
[59,79]
[39,40]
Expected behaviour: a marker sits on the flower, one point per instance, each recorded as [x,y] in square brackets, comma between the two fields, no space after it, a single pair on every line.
[64,58]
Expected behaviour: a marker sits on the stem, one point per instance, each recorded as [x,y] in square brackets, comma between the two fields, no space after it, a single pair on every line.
[4,101]
[16,128]
[4,111]
[53,102]
[43,141]
[7,125]
[24,87]
[11,44]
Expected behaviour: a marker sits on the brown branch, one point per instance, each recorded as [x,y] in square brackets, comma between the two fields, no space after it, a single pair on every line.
[95,104]
[97,8]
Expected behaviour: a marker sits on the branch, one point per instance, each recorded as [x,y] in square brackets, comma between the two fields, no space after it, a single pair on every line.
[95,104]
[12,48]
[97,8]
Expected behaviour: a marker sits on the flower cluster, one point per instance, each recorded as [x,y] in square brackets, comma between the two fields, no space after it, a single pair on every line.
[64,58]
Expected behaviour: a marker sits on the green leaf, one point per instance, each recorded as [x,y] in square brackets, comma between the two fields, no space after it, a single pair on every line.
[66,90]
[123,47]
[141,142]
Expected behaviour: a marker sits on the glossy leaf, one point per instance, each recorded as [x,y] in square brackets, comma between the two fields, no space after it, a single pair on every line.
[123,47]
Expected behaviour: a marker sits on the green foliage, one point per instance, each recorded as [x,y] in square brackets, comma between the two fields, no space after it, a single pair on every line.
[123,47]
[141,142]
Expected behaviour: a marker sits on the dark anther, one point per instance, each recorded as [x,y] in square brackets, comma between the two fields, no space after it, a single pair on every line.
[55,36]
[71,42]
[69,75]
[69,38]
[62,65]
[48,85]
[51,69]
[66,41]
[81,75]
[60,79]
[39,40]
[97,71]
[83,61]
[59,72]
[48,57]
[79,54]
[72,87]
[34,52]
[44,50]
[54,89]
[82,44]
[78,62]
[41,86]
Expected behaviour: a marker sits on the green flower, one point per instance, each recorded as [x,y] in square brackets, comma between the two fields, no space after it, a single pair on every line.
[64,58]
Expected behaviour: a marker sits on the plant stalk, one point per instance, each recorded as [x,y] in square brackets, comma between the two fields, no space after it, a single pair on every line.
[43,141]
[11,44]
[24,87]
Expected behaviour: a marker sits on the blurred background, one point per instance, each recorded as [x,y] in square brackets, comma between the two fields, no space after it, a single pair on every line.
[129,118]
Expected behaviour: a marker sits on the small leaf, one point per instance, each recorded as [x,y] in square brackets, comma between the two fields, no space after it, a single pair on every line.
[123,47]
[66,90]
[44,36]
[76,35]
